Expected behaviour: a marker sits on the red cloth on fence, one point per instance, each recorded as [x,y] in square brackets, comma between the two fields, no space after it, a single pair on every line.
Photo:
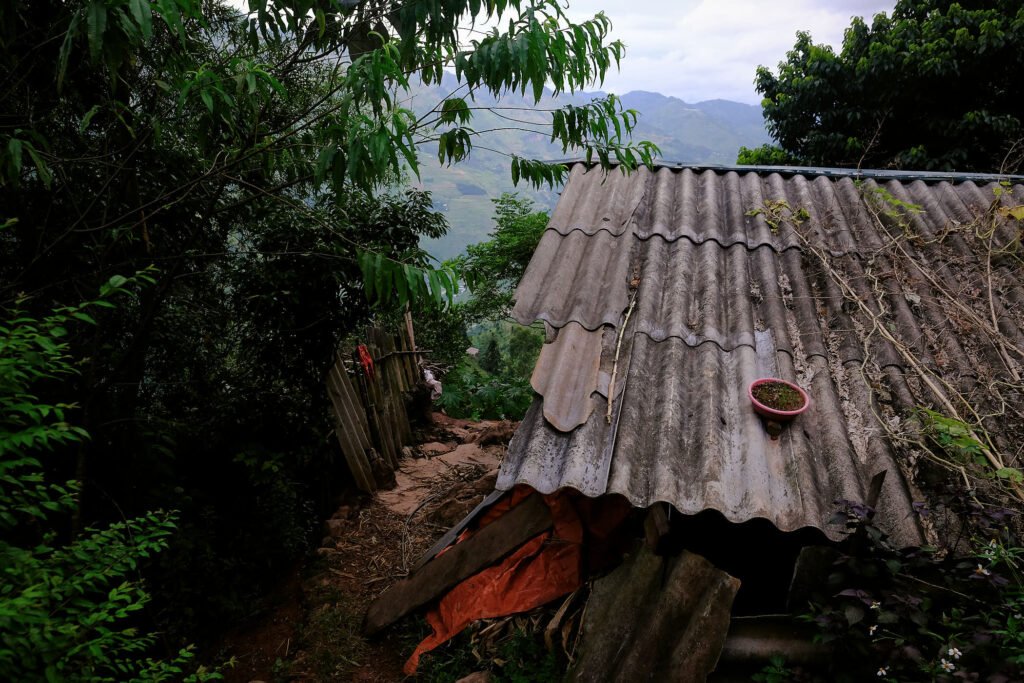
[366,360]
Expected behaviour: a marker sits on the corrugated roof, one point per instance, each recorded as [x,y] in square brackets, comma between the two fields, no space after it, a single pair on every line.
[729,287]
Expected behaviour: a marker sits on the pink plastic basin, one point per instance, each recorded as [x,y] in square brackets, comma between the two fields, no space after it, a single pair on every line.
[767,411]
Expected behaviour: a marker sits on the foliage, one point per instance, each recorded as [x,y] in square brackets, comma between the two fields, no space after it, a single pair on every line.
[925,614]
[520,658]
[470,392]
[933,86]
[765,155]
[442,331]
[497,385]
[255,158]
[775,671]
[524,344]
[67,604]
[776,212]
[493,268]
[490,357]
[333,641]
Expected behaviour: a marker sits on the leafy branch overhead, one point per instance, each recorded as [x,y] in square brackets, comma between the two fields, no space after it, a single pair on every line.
[256,154]
[355,130]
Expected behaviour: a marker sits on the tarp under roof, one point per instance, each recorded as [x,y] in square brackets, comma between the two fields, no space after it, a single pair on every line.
[739,275]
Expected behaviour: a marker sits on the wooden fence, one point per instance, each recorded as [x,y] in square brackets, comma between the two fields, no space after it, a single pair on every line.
[371,418]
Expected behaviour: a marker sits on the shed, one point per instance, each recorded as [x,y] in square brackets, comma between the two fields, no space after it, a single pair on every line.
[895,299]
[877,292]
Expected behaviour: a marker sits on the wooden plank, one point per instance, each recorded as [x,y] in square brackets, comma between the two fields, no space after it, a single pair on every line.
[394,347]
[357,463]
[394,372]
[354,400]
[390,433]
[355,455]
[409,330]
[370,388]
[399,386]
[401,415]
[395,364]
[385,425]
[656,528]
[348,407]
[410,360]
[394,396]
[403,359]
[482,549]
[341,399]
[453,533]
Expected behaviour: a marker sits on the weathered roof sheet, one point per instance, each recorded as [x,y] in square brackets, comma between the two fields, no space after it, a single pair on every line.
[729,287]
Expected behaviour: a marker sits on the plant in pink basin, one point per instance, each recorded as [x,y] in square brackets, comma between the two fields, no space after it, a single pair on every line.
[777,399]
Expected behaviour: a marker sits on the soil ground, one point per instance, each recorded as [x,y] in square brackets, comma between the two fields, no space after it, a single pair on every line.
[311,631]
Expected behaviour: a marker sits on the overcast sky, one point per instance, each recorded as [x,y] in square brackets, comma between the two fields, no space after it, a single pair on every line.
[706,49]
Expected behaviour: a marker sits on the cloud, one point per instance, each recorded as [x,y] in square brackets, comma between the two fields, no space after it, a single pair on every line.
[705,49]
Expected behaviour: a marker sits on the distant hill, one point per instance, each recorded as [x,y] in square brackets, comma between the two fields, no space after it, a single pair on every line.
[708,132]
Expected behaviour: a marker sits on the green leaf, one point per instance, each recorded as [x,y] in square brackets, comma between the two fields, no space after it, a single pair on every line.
[274,83]
[88,118]
[143,16]
[14,152]
[1011,473]
[65,49]
[85,317]
[96,23]
[41,168]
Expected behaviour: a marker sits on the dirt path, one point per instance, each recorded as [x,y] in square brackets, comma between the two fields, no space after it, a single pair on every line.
[313,632]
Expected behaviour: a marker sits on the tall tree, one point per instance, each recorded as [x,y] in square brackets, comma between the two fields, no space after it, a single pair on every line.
[493,268]
[490,357]
[934,86]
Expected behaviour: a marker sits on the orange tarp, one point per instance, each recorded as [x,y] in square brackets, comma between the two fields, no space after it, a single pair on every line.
[545,568]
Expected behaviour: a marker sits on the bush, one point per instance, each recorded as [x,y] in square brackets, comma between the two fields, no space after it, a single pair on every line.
[470,392]
[65,603]
[925,614]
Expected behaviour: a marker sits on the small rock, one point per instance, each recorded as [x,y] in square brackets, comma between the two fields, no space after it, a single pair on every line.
[486,483]
[449,512]
[496,434]
[335,528]
[436,448]
[478,677]
[407,452]
[327,542]
[344,512]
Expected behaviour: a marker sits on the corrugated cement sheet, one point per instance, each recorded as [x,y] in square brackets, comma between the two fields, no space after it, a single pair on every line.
[728,287]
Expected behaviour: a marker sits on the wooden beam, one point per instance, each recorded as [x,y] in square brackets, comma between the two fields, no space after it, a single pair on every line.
[656,528]
[461,561]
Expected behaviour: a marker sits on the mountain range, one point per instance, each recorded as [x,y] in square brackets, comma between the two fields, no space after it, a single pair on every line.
[709,132]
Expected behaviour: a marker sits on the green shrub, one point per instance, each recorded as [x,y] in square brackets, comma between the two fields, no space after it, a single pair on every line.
[925,614]
[472,393]
[66,600]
